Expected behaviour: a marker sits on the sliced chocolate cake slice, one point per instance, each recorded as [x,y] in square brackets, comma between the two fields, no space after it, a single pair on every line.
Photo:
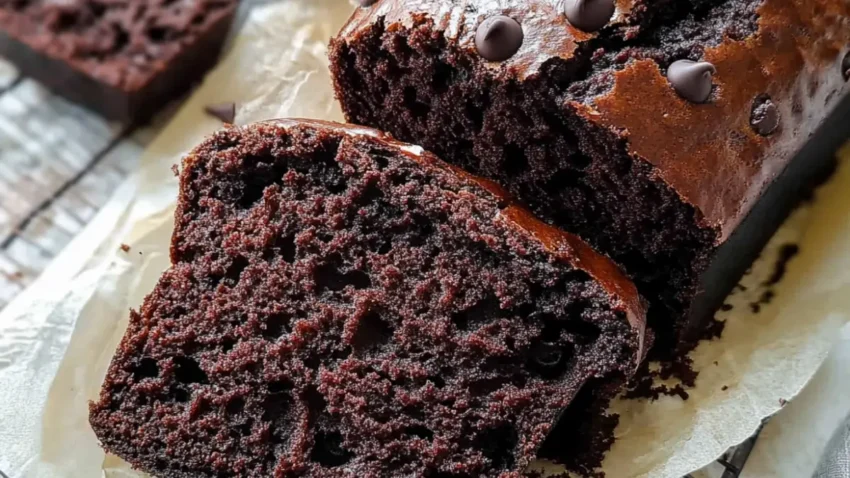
[664,133]
[125,59]
[340,304]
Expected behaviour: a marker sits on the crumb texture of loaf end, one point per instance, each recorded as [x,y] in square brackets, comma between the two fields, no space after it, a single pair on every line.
[340,304]
[588,130]
[125,59]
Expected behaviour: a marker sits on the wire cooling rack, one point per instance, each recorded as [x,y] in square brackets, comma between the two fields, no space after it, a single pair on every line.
[59,164]
[731,464]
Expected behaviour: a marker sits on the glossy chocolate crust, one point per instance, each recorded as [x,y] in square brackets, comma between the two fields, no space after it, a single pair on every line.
[563,245]
[124,60]
[708,153]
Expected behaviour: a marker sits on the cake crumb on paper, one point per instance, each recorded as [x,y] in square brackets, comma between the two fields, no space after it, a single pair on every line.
[780,268]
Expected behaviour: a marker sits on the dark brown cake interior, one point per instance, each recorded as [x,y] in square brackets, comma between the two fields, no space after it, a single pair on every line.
[121,43]
[338,307]
[414,83]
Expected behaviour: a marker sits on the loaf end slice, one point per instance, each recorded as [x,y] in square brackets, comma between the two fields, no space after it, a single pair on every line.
[341,304]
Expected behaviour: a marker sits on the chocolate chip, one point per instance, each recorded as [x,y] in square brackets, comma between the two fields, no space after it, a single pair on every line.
[366,3]
[765,116]
[692,80]
[226,112]
[498,38]
[845,66]
[589,15]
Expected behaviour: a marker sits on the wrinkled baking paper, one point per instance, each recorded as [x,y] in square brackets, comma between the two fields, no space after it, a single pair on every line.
[57,338]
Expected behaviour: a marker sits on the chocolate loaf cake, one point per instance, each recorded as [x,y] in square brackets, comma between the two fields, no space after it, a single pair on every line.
[340,304]
[123,59]
[663,132]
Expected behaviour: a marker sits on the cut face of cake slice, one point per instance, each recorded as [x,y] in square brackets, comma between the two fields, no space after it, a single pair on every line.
[341,304]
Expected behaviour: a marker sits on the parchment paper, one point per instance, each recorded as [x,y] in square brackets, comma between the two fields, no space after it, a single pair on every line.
[56,339]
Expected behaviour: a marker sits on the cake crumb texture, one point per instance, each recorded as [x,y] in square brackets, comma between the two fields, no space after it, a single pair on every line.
[340,306]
